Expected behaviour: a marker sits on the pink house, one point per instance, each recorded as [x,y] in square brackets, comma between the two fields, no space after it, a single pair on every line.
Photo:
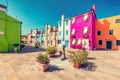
[82,30]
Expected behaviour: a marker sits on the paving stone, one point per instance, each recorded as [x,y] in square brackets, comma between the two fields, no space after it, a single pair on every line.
[21,67]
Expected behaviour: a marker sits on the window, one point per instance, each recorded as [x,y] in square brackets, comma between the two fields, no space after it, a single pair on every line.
[98,32]
[59,33]
[59,41]
[73,31]
[85,17]
[32,36]
[79,41]
[37,36]
[118,42]
[66,32]
[59,23]
[51,42]
[73,41]
[73,20]
[85,30]
[117,21]
[100,42]
[56,33]
[110,32]
[66,22]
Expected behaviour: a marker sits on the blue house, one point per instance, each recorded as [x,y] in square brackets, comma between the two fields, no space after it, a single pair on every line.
[63,32]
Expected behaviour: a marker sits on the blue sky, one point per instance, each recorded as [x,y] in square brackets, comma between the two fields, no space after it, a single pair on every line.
[36,13]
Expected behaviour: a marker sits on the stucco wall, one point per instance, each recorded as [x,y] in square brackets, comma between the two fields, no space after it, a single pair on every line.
[12,30]
[104,25]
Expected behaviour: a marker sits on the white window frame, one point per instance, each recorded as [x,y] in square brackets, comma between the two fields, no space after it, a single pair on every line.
[85,30]
[73,41]
[73,31]
[79,41]
[73,20]
[85,16]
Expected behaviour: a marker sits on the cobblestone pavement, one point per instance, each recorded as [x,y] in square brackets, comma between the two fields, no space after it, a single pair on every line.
[102,65]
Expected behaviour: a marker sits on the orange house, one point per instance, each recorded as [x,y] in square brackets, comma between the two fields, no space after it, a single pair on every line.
[108,33]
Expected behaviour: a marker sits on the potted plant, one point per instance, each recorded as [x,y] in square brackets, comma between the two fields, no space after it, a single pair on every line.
[51,51]
[42,62]
[37,44]
[77,58]
[15,46]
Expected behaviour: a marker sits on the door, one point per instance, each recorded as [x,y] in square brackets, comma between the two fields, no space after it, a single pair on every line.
[108,44]
[66,43]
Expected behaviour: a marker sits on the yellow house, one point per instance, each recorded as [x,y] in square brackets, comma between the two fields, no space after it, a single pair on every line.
[108,33]
[24,39]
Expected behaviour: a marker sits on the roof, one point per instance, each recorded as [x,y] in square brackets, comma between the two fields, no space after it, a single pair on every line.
[3,6]
[23,35]
[84,13]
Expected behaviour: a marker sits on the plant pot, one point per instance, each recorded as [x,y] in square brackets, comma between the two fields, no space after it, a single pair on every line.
[77,65]
[51,55]
[59,53]
[42,67]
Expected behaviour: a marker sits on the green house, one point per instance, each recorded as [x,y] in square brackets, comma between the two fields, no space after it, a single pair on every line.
[10,31]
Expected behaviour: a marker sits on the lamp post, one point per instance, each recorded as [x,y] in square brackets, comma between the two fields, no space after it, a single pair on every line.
[63,50]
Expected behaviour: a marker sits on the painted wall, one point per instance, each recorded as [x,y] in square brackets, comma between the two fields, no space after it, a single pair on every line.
[3,41]
[104,25]
[53,37]
[12,31]
[50,36]
[34,37]
[64,32]
[41,37]
[79,24]
[24,38]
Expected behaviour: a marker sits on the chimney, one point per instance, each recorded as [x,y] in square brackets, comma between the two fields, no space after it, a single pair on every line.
[94,8]
[3,7]
[62,16]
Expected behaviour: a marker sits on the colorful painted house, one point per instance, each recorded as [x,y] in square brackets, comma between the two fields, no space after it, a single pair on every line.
[82,30]
[108,33]
[50,36]
[64,32]
[24,39]
[33,37]
[10,31]
[41,40]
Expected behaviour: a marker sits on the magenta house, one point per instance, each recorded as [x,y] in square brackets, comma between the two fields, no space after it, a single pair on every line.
[82,30]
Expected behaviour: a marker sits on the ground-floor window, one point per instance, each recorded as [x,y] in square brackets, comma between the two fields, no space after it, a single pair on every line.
[100,42]
[118,42]
[59,41]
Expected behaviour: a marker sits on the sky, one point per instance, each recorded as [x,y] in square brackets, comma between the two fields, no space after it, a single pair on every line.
[36,13]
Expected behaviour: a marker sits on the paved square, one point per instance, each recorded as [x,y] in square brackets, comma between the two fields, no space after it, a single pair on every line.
[102,65]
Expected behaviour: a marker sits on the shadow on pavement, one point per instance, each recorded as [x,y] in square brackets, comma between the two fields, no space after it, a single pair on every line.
[89,66]
[54,68]
[91,58]
[28,49]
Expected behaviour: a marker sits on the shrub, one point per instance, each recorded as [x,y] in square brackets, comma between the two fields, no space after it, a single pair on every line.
[37,44]
[42,58]
[78,56]
[51,50]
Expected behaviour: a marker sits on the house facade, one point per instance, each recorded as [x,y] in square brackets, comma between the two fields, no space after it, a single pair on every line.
[64,32]
[82,30]
[33,37]
[24,39]
[107,33]
[50,36]
[41,37]
[10,31]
